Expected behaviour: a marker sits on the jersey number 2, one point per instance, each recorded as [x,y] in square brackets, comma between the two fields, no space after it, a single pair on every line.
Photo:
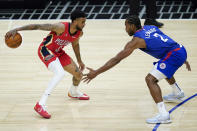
[157,35]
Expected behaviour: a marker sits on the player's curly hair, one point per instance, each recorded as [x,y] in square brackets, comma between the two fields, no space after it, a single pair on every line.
[77,14]
[133,19]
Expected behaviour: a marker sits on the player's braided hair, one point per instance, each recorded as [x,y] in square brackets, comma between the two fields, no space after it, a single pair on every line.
[77,14]
[133,19]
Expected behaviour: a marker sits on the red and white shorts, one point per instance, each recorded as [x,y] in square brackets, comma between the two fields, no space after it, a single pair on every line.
[47,56]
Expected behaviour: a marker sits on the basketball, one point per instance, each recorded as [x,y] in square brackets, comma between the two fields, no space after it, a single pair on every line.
[14,42]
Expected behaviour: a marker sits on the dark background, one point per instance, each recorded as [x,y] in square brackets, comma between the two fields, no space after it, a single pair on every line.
[95,9]
[22,4]
[39,4]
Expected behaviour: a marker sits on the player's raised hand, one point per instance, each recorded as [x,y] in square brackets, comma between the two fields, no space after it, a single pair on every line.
[10,33]
[91,75]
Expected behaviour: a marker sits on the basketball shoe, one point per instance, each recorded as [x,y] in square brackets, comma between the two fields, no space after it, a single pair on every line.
[160,118]
[77,94]
[175,98]
[41,110]
[149,21]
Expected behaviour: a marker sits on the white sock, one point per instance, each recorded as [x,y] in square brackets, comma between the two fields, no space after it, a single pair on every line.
[176,89]
[59,73]
[161,107]
[43,99]
[74,91]
[73,88]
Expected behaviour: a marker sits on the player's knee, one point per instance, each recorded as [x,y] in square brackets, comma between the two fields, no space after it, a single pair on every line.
[171,80]
[57,68]
[147,79]
[150,79]
[60,74]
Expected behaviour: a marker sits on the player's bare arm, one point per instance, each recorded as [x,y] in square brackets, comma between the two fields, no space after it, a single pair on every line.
[128,49]
[58,28]
[76,48]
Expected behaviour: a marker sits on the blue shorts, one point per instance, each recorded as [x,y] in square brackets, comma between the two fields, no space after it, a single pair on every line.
[174,59]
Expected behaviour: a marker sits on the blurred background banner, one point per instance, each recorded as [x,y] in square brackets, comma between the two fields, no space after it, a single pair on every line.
[95,9]
[15,4]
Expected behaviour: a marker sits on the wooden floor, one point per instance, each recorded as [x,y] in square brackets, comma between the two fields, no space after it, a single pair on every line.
[119,98]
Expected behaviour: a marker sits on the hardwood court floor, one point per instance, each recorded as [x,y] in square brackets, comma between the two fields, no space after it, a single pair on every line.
[119,98]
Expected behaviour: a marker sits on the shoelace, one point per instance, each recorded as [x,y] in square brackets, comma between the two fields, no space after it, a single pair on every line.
[177,96]
[172,94]
[157,116]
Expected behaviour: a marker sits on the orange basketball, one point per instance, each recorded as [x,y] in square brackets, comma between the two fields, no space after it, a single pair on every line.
[14,42]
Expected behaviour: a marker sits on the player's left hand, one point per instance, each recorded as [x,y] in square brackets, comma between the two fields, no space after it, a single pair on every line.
[81,66]
[91,75]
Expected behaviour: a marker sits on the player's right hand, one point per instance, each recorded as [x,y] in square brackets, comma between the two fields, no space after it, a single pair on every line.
[10,33]
[91,75]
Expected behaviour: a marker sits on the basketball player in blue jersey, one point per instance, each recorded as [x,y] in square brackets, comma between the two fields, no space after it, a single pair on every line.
[171,56]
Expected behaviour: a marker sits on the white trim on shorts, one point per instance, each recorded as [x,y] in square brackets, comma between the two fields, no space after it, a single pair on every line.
[156,73]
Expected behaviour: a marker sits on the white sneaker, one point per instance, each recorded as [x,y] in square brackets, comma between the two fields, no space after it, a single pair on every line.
[77,94]
[175,98]
[164,119]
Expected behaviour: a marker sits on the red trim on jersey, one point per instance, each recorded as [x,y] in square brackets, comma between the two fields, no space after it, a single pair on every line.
[52,46]
[170,53]
[46,56]
[56,43]
[67,30]
[140,29]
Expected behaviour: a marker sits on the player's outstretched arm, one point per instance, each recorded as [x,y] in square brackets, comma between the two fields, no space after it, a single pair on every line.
[129,48]
[58,28]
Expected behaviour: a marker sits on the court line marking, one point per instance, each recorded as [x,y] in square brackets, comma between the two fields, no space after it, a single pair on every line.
[174,108]
[10,24]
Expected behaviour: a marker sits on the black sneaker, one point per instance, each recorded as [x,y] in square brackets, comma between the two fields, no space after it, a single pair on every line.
[153,22]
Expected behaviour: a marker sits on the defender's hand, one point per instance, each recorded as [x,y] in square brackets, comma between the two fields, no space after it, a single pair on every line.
[91,75]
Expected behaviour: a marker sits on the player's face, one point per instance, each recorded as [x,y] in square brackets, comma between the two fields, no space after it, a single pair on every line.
[80,23]
[129,28]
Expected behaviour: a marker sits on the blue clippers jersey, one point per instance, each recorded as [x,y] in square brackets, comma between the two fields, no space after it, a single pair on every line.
[157,43]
